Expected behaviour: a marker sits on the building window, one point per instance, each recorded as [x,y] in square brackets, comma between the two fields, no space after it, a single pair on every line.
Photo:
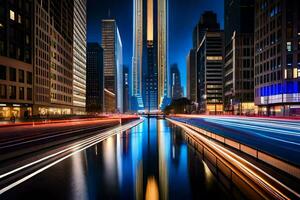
[12,74]
[21,93]
[289,46]
[21,76]
[19,19]
[12,15]
[2,91]
[2,72]
[29,94]
[295,73]
[12,92]
[29,78]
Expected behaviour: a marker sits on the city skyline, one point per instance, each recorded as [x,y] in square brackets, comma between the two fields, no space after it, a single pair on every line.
[93,105]
[183,16]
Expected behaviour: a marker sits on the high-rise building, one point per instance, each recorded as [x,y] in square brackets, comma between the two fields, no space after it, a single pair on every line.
[125,88]
[175,82]
[53,57]
[209,61]
[149,62]
[239,57]
[191,79]
[16,54]
[277,57]
[113,62]
[79,57]
[94,78]
[162,54]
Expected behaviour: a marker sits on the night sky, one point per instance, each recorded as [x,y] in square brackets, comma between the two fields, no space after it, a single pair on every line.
[183,16]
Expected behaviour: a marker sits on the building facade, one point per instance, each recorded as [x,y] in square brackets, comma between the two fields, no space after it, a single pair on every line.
[149,62]
[125,89]
[94,79]
[53,57]
[79,57]
[191,78]
[277,57]
[113,61]
[175,82]
[209,61]
[16,58]
[239,57]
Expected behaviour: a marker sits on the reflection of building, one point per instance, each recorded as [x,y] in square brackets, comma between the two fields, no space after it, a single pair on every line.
[79,57]
[277,58]
[113,61]
[191,76]
[149,62]
[209,64]
[125,88]
[239,65]
[94,79]
[16,64]
[53,57]
[175,82]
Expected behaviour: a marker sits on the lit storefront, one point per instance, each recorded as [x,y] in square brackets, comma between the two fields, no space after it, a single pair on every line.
[17,110]
[53,111]
[214,108]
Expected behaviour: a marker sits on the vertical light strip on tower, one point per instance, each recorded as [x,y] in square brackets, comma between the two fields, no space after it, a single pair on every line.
[137,47]
[162,50]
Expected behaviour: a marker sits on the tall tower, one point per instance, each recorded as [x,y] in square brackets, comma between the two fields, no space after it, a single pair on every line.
[112,63]
[79,57]
[162,50]
[149,62]
[137,54]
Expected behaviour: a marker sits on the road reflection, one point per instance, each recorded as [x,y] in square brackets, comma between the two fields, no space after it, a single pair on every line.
[150,161]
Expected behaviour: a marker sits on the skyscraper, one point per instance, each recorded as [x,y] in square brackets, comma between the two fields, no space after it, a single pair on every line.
[149,62]
[191,76]
[209,61]
[53,57]
[239,56]
[79,57]
[175,82]
[113,61]
[16,58]
[94,83]
[277,57]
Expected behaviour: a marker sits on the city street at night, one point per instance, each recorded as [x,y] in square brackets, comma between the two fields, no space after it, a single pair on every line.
[149,99]
[150,159]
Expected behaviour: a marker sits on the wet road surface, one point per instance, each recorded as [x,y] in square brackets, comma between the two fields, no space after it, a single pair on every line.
[149,161]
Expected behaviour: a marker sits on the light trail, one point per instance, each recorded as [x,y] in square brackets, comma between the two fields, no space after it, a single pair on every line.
[76,148]
[260,129]
[258,123]
[243,165]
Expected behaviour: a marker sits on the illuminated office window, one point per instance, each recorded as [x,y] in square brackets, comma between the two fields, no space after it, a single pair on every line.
[295,73]
[285,74]
[289,46]
[12,15]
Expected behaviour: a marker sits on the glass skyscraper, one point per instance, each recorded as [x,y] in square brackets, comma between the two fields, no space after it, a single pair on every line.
[79,57]
[149,62]
[113,63]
